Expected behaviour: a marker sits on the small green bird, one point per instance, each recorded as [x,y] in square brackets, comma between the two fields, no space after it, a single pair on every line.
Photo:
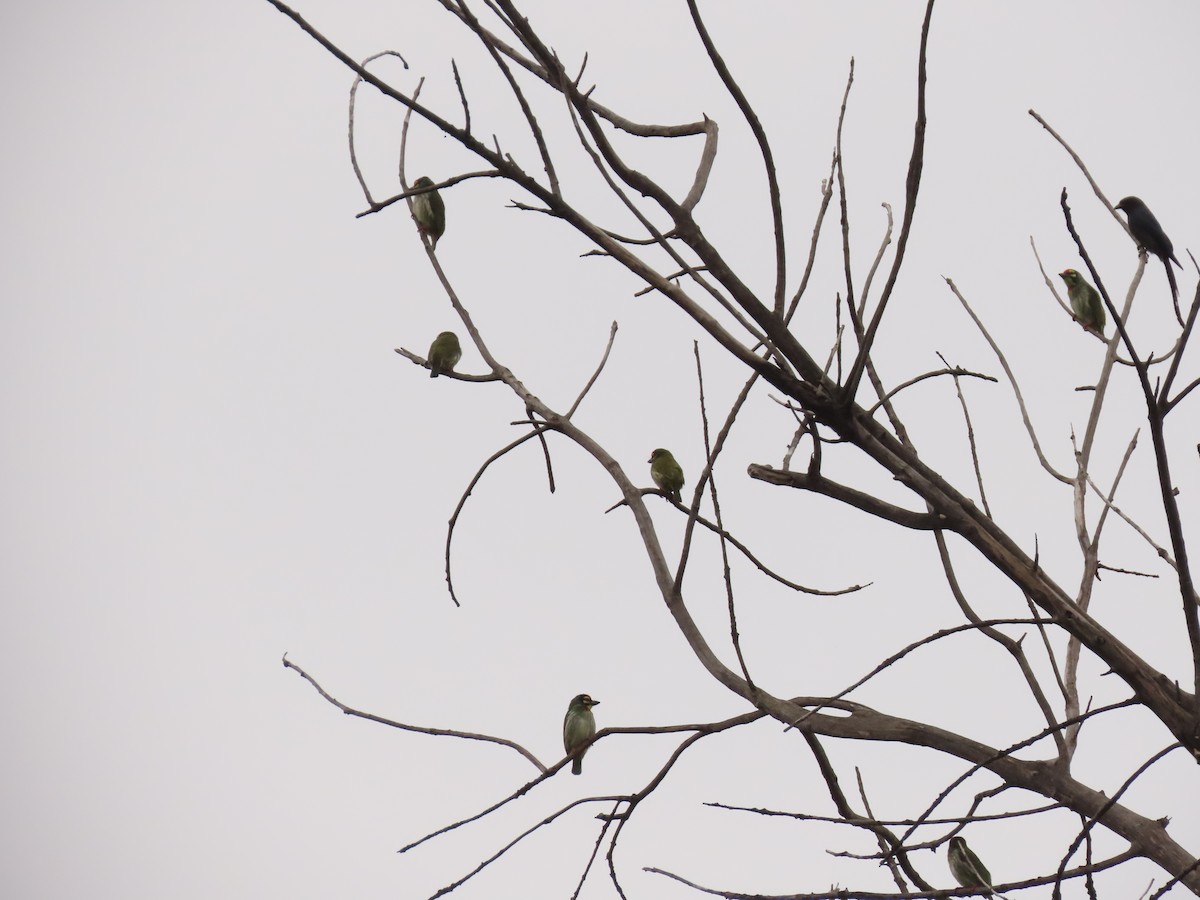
[1085,302]
[966,867]
[667,473]
[444,354]
[578,728]
[429,211]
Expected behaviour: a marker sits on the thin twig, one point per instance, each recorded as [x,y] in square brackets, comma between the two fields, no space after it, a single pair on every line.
[1012,380]
[362,182]
[421,729]
[764,147]
[916,164]
[462,501]
[612,336]
[727,573]
[955,371]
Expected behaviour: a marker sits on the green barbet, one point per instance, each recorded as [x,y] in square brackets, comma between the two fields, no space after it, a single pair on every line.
[667,473]
[429,211]
[578,728]
[444,354]
[1086,303]
[966,867]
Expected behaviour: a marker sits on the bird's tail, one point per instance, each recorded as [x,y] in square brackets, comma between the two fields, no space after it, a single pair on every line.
[577,766]
[1174,290]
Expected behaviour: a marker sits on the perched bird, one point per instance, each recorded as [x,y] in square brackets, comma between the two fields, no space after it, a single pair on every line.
[666,473]
[1086,304]
[444,354]
[966,867]
[578,728]
[1149,234]
[429,211]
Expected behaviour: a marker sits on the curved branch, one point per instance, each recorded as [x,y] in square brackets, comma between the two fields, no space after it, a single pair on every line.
[764,148]
[420,729]
[462,501]
[362,182]
[746,552]
[956,371]
[1012,380]
[916,164]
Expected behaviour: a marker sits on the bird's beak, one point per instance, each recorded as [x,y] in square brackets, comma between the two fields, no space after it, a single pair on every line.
[595,703]
[650,460]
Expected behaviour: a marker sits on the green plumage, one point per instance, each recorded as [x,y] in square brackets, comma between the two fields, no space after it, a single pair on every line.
[429,211]
[667,473]
[1086,303]
[578,728]
[966,867]
[444,354]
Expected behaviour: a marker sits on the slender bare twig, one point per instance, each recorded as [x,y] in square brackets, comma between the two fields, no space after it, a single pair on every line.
[727,573]
[607,822]
[894,823]
[1012,380]
[764,147]
[421,729]
[888,857]
[1091,563]
[883,245]
[362,182]
[955,371]
[1160,550]
[916,164]
[612,336]
[462,501]
[844,210]
[1164,404]
[747,552]
[962,402]
[826,196]
[462,95]
[891,848]
[550,819]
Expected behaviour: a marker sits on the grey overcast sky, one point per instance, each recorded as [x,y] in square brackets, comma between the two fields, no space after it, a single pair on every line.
[213,456]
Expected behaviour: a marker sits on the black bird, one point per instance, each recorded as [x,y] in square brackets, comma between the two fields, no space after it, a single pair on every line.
[1149,234]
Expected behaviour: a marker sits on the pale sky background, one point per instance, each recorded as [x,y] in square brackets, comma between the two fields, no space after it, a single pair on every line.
[213,456]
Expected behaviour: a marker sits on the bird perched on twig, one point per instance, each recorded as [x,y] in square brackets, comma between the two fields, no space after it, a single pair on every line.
[429,211]
[1086,303]
[1149,234]
[579,727]
[444,354]
[966,867]
[667,473]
